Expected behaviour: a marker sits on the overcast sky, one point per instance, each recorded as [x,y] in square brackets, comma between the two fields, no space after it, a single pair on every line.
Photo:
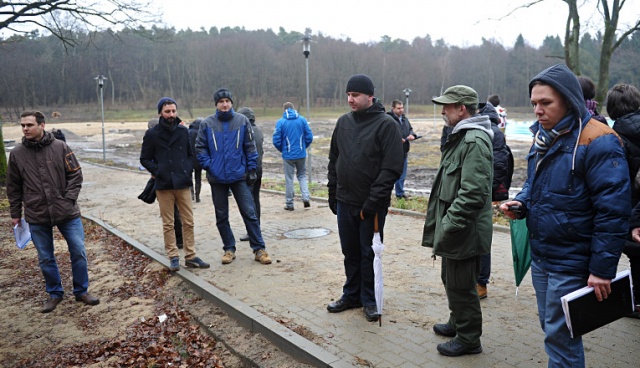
[459,22]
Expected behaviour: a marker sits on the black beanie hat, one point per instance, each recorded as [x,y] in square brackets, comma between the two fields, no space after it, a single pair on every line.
[222,93]
[360,83]
[166,100]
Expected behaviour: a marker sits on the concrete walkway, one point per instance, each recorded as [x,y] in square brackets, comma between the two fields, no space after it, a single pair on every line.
[307,274]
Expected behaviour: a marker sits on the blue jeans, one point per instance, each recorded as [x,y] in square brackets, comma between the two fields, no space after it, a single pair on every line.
[73,233]
[244,199]
[356,237]
[298,167]
[485,269]
[563,351]
[400,181]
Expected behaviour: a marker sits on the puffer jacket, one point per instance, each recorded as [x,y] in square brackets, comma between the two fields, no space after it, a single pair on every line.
[502,156]
[459,221]
[226,149]
[193,135]
[578,198]
[292,135]
[46,177]
[166,154]
[365,158]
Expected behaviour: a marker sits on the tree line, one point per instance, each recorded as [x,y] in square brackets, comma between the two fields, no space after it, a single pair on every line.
[264,68]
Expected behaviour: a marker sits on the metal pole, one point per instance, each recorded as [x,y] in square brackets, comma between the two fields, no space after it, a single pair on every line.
[104,147]
[309,155]
[406,106]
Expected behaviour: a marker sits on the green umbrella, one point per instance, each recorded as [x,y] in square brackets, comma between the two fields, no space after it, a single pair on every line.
[520,249]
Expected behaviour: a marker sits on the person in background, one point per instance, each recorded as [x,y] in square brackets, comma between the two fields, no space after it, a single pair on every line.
[177,220]
[58,134]
[365,160]
[502,112]
[167,155]
[623,106]
[259,138]
[227,151]
[292,137]
[459,221]
[197,168]
[44,177]
[576,201]
[406,131]
[589,93]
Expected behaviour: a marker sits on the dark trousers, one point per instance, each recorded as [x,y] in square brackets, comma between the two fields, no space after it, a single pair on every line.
[255,192]
[356,237]
[459,279]
[197,174]
[485,269]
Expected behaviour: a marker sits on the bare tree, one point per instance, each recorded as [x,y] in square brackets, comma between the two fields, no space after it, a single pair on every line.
[62,17]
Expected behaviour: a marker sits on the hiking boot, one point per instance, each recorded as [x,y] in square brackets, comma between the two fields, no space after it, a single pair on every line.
[87,299]
[482,291]
[453,348]
[228,257]
[174,264]
[245,237]
[262,256]
[179,245]
[306,204]
[444,329]
[341,305]
[50,305]
[288,208]
[196,263]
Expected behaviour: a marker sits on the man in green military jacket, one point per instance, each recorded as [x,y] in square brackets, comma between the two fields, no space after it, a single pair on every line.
[459,224]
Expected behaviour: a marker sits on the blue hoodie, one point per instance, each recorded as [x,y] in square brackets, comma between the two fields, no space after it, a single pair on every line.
[292,135]
[578,198]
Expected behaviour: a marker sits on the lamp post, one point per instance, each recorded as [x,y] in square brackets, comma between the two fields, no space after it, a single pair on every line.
[407,92]
[306,50]
[101,78]
[434,111]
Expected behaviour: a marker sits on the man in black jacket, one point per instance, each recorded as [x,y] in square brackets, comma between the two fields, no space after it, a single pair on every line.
[167,154]
[365,160]
[406,131]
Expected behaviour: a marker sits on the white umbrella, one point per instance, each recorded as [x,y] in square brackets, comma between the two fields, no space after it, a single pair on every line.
[378,283]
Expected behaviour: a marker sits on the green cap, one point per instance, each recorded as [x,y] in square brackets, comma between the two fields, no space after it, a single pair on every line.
[462,95]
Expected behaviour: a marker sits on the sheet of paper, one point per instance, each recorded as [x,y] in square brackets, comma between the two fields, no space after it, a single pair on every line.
[22,233]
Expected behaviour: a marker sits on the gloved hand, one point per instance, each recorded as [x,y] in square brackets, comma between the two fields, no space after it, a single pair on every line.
[251,177]
[333,204]
[368,210]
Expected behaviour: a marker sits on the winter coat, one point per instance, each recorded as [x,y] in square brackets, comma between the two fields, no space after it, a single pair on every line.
[628,127]
[193,134]
[578,198]
[166,154]
[226,149]
[459,221]
[405,130]
[259,139]
[46,177]
[365,158]
[292,135]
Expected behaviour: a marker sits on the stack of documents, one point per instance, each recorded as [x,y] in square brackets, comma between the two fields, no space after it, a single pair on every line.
[584,313]
[22,233]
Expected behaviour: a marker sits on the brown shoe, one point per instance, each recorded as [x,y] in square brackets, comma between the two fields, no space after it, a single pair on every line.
[87,299]
[228,257]
[50,305]
[482,291]
[262,256]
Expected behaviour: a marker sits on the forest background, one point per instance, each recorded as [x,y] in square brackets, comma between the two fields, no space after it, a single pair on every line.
[264,68]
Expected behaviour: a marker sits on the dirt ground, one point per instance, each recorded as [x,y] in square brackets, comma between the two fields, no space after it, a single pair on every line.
[146,316]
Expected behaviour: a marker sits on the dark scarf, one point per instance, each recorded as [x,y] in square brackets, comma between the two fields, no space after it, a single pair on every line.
[544,139]
[224,116]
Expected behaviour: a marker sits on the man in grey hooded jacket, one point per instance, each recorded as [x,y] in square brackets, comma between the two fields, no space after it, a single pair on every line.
[459,222]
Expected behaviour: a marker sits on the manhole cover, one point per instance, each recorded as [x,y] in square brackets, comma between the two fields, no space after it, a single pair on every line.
[306,233]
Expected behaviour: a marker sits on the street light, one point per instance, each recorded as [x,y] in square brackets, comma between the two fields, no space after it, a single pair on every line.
[407,92]
[306,50]
[434,111]
[101,78]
